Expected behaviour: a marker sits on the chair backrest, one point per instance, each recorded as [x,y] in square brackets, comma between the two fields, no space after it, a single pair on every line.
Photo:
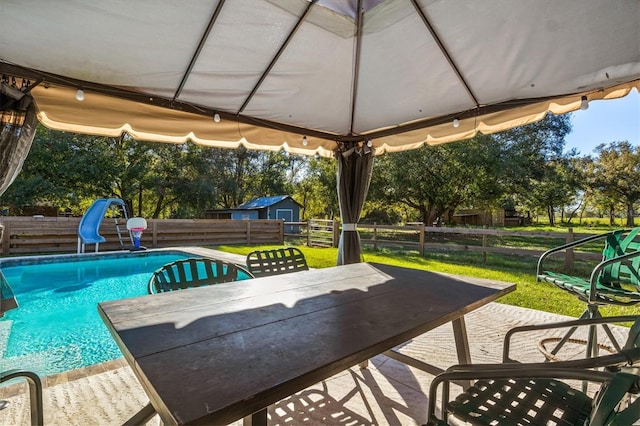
[195,272]
[621,243]
[262,263]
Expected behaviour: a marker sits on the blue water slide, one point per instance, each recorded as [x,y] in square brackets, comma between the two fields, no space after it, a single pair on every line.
[88,230]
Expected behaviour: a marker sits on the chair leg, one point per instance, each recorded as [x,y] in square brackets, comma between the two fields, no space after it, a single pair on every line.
[585,315]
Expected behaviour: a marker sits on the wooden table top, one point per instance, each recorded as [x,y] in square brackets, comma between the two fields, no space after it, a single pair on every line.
[219,353]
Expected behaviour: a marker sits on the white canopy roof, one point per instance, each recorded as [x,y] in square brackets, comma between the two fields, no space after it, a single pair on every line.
[398,73]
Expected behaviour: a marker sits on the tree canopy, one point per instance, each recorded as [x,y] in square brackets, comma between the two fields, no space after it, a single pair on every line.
[526,169]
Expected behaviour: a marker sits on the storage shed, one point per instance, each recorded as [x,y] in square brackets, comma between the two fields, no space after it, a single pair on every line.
[281,207]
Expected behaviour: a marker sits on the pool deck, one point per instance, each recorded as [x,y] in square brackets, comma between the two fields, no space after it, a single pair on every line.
[386,393]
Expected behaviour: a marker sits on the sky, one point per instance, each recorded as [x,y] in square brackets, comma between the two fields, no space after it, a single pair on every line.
[605,121]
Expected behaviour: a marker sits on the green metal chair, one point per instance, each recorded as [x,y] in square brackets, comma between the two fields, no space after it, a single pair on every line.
[512,393]
[263,263]
[614,281]
[195,272]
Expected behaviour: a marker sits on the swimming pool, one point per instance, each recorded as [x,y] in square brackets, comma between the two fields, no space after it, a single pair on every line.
[57,327]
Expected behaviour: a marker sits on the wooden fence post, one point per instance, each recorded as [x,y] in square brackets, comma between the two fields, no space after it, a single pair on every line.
[568,257]
[248,231]
[154,234]
[336,233]
[282,232]
[484,244]
[421,239]
[375,236]
[308,232]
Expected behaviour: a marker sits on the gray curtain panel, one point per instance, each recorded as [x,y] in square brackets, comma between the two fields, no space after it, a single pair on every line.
[355,162]
[18,122]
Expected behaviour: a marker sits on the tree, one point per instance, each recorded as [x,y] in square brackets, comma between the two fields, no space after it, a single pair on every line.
[616,175]
[316,190]
[435,180]
[62,169]
[533,160]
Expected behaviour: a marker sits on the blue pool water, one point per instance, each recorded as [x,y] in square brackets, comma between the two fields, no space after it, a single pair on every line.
[57,326]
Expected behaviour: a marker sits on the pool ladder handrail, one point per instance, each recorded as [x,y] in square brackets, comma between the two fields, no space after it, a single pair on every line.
[35,391]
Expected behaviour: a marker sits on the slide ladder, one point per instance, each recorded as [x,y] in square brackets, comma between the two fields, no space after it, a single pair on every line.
[88,230]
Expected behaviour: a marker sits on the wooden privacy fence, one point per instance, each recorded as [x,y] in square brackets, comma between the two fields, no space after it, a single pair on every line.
[29,235]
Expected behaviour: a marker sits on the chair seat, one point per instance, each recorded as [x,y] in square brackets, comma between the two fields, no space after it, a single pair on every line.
[521,402]
[606,294]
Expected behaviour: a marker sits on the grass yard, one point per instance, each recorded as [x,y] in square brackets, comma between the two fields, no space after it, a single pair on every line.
[517,269]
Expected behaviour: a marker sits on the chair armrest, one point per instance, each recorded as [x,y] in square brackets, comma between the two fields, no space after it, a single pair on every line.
[626,357]
[561,324]
[593,280]
[35,391]
[573,244]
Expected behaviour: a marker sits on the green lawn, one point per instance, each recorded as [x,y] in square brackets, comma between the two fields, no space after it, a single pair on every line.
[519,270]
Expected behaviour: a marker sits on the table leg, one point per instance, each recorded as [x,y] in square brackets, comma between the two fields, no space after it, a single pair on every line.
[142,416]
[259,418]
[462,340]
[462,344]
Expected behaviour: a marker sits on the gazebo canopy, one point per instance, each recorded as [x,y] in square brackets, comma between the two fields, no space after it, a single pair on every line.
[343,78]
[305,75]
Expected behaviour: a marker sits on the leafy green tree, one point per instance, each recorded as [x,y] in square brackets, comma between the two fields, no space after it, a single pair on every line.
[435,180]
[532,159]
[556,187]
[316,189]
[616,175]
[62,169]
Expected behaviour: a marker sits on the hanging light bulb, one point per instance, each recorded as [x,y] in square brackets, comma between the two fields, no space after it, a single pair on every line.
[216,117]
[369,143]
[304,141]
[584,103]
[80,95]
[456,123]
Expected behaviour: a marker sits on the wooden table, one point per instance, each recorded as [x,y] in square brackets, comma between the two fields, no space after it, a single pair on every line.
[221,353]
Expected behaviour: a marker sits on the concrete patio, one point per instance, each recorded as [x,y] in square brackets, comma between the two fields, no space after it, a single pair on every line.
[386,393]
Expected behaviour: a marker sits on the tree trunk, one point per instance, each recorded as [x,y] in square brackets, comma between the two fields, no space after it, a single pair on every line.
[158,208]
[630,214]
[612,218]
[551,215]
[139,200]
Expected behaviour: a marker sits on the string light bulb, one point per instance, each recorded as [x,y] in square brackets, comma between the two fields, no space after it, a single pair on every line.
[216,117]
[456,123]
[304,141]
[584,103]
[80,95]
[369,143]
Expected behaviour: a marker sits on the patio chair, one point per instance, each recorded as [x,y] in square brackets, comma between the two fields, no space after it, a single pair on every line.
[538,393]
[614,281]
[263,263]
[35,391]
[195,272]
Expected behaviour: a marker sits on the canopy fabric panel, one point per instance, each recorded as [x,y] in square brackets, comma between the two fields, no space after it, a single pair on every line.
[396,72]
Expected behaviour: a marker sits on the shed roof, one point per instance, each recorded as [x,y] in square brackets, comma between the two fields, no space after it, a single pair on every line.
[263,202]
